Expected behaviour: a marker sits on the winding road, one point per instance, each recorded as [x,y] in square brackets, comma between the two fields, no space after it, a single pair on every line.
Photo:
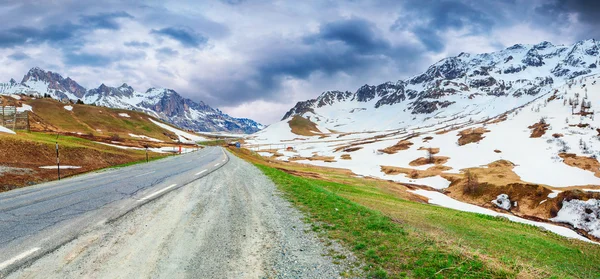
[205,214]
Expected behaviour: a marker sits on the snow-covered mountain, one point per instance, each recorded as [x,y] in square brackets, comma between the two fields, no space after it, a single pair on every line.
[522,120]
[163,103]
[477,85]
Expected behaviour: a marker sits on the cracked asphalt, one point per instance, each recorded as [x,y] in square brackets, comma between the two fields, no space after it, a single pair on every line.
[230,223]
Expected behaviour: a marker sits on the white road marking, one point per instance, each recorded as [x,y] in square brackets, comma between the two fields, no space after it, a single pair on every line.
[19,257]
[157,192]
[217,164]
[145,173]
[201,172]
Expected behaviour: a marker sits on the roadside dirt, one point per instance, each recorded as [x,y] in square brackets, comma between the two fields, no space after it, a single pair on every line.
[222,226]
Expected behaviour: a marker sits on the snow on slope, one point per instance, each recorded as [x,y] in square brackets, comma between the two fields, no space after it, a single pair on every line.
[162,103]
[6,130]
[504,92]
[445,201]
[184,137]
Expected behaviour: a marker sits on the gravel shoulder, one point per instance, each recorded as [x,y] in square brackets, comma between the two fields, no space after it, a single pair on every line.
[232,223]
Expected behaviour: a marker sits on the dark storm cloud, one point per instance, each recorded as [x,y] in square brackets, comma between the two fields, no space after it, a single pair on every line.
[359,34]
[350,46]
[556,14]
[429,19]
[186,36]
[104,20]
[98,60]
[93,60]
[57,33]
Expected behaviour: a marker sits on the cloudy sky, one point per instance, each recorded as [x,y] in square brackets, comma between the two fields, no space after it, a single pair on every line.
[256,59]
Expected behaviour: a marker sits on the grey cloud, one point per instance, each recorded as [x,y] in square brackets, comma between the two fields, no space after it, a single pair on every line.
[185,35]
[18,56]
[137,44]
[351,46]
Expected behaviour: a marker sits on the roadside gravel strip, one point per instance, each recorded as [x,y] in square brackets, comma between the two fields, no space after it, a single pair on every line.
[232,223]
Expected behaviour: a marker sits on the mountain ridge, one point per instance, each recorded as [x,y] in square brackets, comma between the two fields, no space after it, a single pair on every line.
[162,103]
[519,70]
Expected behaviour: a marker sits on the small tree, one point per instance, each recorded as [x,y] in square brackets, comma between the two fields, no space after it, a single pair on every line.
[430,159]
[472,182]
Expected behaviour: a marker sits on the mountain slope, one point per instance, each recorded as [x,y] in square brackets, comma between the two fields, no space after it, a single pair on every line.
[475,86]
[165,104]
[511,131]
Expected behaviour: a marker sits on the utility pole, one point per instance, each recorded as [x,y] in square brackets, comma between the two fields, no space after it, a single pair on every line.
[57,159]
[146,154]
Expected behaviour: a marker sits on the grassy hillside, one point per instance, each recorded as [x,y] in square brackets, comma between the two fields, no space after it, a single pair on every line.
[82,132]
[397,236]
[51,115]
[24,153]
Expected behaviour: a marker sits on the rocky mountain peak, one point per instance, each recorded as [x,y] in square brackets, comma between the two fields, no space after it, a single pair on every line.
[519,71]
[64,88]
[163,103]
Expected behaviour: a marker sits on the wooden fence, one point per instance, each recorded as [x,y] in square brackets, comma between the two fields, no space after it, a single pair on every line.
[13,119]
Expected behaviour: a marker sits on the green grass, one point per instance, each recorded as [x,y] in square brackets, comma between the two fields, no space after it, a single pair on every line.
[89,119]
[398,238]
[212,142]
[150,159]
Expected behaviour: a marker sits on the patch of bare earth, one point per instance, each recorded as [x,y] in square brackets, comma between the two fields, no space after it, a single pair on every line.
[346,157]
[30,155]
[326,159]
[352,149]
[437,160]
[538,129]
[582,162]
[304,127]
[401,145]
[413,173]
[471,135]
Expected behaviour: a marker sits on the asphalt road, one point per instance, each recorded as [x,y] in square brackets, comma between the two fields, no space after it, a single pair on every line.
[37,219]
[201,215]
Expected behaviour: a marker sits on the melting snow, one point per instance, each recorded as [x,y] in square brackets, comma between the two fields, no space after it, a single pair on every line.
[583,215]
[6,130]
[69,108]
[554,194]
[61,167]
[183,136]
[145,137]
[24,108]
[445,201]
[124,115]
[502,201]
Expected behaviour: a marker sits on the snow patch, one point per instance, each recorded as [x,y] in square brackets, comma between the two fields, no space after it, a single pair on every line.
[554,194]
[69,108]
[583,215]
[124,115]
[24,108]
[502,201]
[445,201]
[145,137]
[6,130]
[183,136]
[61,167]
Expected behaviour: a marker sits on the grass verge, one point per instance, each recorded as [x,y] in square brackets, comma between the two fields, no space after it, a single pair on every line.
[398,238]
